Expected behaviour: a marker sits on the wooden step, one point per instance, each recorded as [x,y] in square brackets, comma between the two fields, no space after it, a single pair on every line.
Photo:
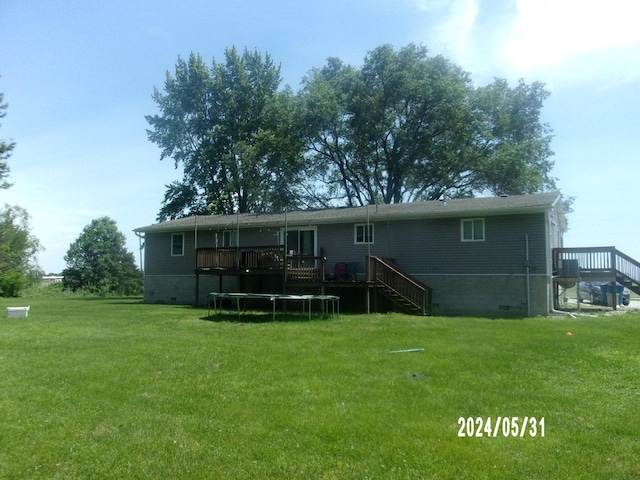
[400,299]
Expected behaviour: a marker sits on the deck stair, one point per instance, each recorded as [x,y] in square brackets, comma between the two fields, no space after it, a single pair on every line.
[597,264]
[398,286]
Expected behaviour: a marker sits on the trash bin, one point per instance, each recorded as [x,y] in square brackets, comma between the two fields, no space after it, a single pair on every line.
[607,294]
[619,291]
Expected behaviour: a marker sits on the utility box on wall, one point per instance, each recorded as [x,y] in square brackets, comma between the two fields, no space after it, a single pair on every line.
[570,268]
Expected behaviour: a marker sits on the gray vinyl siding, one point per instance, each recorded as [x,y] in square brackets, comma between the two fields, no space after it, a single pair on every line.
[503,251]
[337,245]
[158,259]
[428,246]
[249,237]
[555,227]
[434,246]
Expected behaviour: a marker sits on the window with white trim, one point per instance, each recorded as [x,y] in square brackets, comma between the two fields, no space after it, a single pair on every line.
[177,244]
[363,233]
[472,229]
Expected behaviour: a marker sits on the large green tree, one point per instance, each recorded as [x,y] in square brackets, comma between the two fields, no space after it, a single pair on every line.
[18,247]
[516,144]
[407,126]
[5,150]
[234,133]
[98,262]
[18,251]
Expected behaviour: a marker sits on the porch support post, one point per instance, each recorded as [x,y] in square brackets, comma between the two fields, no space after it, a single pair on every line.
[367,286]
[368,297]
[614,286]
[285,272]
[197,289]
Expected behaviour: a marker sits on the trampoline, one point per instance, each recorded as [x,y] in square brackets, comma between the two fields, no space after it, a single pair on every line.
[216,298]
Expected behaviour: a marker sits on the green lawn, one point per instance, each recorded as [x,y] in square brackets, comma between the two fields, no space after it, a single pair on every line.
[112,388]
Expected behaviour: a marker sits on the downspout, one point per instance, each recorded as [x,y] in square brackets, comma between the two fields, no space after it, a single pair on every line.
[238,238]
[142,244]
[550,269]
[368,233]
[286,236]
[195,234]
[526,243]
[368,296]
[285,260]
[195,248]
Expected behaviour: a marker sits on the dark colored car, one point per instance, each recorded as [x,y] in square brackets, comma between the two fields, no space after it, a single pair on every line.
[592,292]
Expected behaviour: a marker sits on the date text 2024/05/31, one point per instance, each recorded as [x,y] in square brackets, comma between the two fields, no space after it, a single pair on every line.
[501,426]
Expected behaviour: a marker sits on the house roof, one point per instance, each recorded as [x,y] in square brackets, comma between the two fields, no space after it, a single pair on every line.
[507,205]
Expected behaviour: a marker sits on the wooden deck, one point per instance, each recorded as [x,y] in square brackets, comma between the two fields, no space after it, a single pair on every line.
[229,259]
[596,263]
[604,264]
[260,260]
[310,271]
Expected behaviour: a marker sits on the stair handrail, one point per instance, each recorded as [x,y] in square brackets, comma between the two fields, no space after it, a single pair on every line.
[400,282]
[627,267]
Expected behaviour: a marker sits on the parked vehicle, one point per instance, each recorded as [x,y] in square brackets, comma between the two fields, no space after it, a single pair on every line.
[592,292]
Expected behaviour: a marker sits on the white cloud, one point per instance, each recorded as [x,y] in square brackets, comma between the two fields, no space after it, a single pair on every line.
[547,33]
[451,36]
[548,40]
[458,27]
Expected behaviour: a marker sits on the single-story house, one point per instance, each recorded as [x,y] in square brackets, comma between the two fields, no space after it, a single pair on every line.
[475,255]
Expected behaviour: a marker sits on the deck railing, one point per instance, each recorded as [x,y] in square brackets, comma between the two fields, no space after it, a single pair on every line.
[230,258]
[403,285]
[296,268]
[628,267]
[597,261]
[306,268]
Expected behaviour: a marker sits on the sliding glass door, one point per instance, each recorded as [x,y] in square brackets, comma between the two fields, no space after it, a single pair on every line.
[300,241]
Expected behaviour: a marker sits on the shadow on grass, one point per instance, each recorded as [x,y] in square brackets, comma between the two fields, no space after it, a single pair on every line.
[228,315]
[263,317]
[122,300]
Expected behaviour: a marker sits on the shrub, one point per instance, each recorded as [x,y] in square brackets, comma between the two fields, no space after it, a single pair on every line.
[12,283]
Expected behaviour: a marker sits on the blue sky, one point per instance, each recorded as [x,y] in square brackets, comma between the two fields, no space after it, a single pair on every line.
[78,77]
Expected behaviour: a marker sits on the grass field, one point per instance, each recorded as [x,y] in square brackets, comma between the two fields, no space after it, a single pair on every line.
[113,388]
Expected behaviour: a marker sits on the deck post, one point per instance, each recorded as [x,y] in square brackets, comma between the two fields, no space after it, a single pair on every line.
[578,290]
[367,295]
[197,288]
[285,269]
[614,286]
